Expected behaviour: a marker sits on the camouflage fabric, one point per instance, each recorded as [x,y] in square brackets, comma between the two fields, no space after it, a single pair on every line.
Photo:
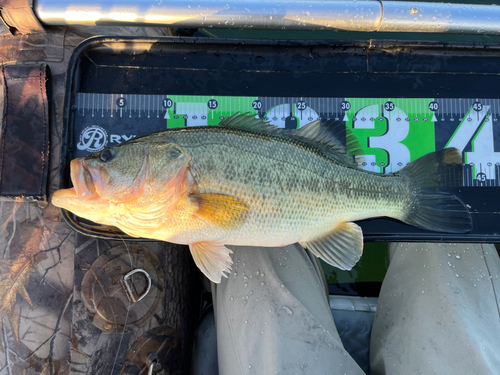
[47,324]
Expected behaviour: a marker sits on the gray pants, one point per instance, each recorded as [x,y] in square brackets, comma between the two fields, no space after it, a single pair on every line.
[438,313]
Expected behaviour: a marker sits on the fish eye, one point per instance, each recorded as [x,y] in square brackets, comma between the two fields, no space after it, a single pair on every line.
[106,155]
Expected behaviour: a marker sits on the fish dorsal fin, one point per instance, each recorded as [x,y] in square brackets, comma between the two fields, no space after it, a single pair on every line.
[212,258]
[341,248]
[249,122]
[329,135]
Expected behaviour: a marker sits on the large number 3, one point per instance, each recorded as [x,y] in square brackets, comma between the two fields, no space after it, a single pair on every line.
[398,128]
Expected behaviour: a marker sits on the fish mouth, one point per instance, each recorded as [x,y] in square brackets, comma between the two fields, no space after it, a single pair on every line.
[83,185]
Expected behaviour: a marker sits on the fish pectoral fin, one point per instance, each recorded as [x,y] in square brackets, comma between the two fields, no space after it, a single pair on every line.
[341,248]
[223,210]
[212,258]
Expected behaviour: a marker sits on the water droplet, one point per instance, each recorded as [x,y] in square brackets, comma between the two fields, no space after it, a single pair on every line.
[249,366]
[235,274]
[262,283]
[246,321]
[457,275]
[257,273]
[457,256]
[288,310]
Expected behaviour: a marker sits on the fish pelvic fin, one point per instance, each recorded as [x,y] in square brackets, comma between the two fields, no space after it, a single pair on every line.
[212,258]
[223,210]
[341,248]
[431,208]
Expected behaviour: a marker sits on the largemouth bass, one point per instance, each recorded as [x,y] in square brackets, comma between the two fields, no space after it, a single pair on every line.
[245,182]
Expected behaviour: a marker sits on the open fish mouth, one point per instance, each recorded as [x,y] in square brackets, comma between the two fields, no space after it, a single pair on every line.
[83,184]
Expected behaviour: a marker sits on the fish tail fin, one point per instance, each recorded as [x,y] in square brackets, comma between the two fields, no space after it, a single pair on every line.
[431,208]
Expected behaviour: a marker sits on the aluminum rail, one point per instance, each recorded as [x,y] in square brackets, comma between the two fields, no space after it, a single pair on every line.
[348,15]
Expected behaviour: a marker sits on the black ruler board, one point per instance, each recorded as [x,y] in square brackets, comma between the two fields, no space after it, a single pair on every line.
[402,102]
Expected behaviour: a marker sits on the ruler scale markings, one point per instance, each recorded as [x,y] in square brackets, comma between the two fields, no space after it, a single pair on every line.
[138,105]
[156,107]
[194,108]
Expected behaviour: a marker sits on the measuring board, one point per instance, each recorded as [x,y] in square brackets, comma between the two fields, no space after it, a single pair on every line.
[392,132]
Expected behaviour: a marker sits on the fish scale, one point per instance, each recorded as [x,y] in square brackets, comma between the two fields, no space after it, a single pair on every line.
[296,199]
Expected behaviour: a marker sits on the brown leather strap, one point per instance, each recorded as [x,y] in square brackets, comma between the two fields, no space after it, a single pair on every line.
[24,137]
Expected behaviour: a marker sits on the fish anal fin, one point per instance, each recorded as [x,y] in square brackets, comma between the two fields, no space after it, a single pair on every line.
[222,210]
[212,258]
[341,248]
